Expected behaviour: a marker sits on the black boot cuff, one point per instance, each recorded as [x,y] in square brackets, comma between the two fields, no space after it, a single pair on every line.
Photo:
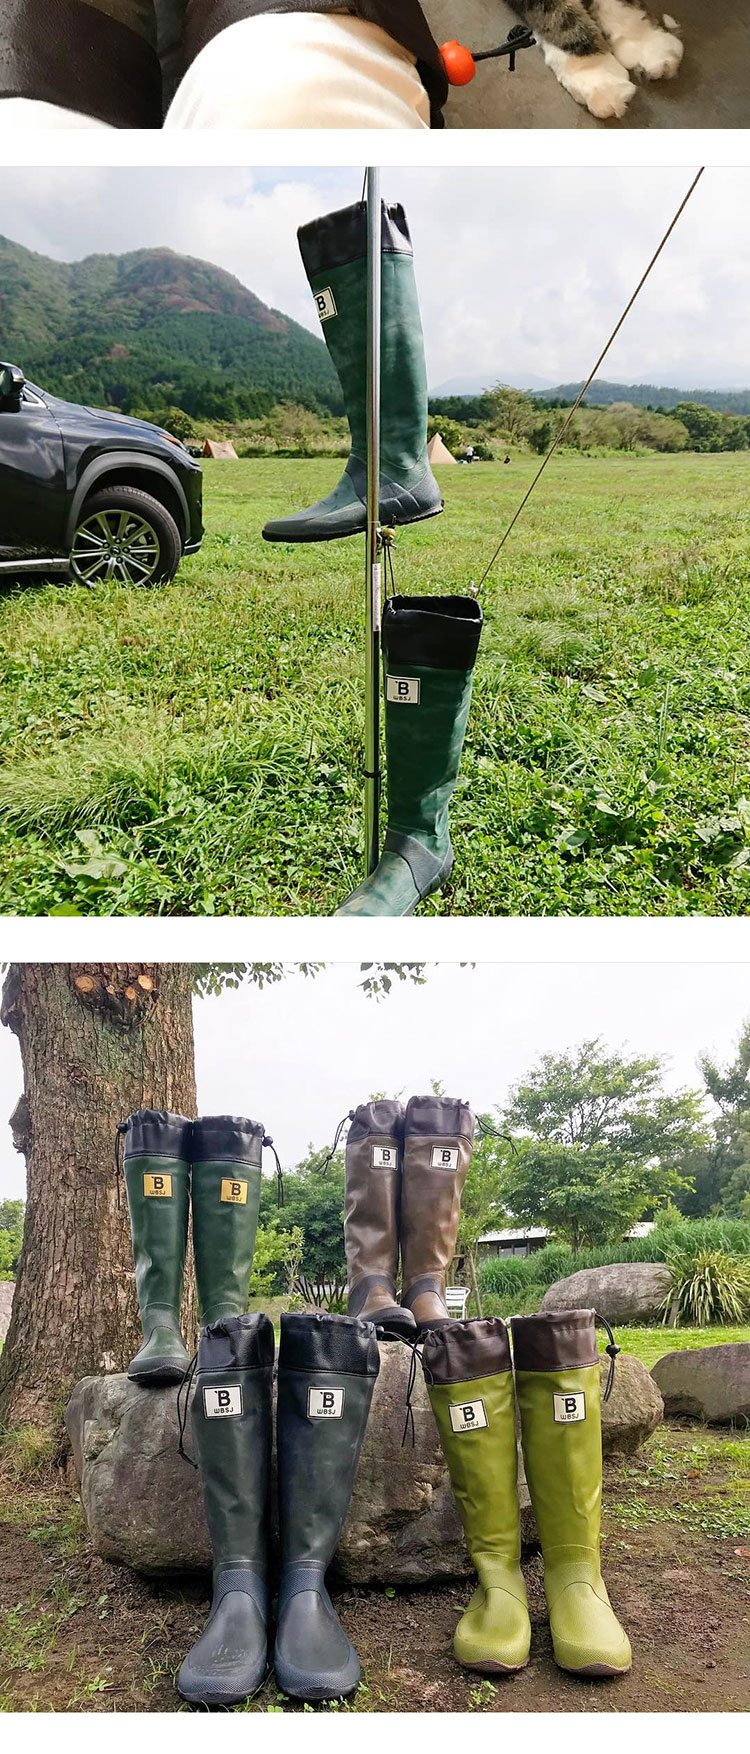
[428,1117]
[237,1343]
[439,631]
[376,1120]
[227,1139]
[328,1342]
[154,1132]
[341,237]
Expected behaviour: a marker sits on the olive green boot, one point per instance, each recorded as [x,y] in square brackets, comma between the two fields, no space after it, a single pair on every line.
[227,1153]
[469,1379]
[557,1384]
[97,57]
[156,1166]
[334,252]
[429,648]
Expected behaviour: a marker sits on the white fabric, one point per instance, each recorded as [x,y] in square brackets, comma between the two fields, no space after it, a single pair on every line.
[301,70]
[26,112]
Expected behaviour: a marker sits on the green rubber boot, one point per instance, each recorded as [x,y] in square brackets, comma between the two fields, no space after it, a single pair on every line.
[557,1383]
[226,1196]
[334,253]
[156,1167]
[429,648]
[469,1379]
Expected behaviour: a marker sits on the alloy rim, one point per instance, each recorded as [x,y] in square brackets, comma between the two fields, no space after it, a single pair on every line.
[119,545]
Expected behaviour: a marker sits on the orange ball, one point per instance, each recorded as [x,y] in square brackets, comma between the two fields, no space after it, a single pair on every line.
[458,63]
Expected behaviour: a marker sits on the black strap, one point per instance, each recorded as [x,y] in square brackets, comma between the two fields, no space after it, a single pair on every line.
[182,1412]
[612,1351]
[328,1160]
[269,1144]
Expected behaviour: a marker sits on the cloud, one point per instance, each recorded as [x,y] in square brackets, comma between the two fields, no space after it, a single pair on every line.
[521,271]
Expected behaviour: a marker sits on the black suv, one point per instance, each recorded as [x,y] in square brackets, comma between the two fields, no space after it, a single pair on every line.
[92,494]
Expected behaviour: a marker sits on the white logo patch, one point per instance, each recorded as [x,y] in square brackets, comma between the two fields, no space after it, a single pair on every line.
[468,1416]
[325,1403]
[223,1403]
[569,1408]
[444,1157]
[384,1157]
[403,690]
[325,304]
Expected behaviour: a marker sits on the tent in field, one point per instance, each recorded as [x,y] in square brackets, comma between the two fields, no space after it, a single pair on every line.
[222,449]
[437,452]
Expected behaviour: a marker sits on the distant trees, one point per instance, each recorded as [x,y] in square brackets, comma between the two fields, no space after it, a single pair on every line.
[513,417]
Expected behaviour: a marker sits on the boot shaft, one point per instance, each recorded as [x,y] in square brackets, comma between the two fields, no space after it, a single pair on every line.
[226,1154]
[438,1143]
[232,1430]
[469,1377]
[429,650]
[334,253]
[327,1370]
[156,1169]
[558,1388]
[373,1202]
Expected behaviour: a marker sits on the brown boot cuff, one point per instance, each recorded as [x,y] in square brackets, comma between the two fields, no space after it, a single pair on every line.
[562,1340]
[463,1351]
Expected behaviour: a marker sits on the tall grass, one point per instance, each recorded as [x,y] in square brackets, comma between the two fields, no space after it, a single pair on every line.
[506,1276]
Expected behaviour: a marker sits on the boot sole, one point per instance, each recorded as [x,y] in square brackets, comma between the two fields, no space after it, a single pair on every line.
[160,1374]
[395,1328]
[343,535]
[224,1699]
[490,1668]
[595,1669]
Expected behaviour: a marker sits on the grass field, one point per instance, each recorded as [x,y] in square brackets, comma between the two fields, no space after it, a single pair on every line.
[197,749]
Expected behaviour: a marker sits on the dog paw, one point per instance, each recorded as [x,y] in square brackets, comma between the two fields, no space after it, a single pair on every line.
[652,52]
[598,82]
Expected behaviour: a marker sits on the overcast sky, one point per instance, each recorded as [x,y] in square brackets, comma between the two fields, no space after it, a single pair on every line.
[521,272]
[298,1056]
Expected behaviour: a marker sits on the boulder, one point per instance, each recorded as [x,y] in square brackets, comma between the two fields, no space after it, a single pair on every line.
[143,1506]
[629,1292]
[711,1383]
[7,1288]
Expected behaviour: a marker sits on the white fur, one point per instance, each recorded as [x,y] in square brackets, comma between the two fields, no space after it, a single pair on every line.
[638,43]
[598,82]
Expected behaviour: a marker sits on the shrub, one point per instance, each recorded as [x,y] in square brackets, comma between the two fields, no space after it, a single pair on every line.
[708,1287]
[506,1276]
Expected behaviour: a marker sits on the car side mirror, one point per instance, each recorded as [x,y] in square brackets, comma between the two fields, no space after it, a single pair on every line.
[12,383]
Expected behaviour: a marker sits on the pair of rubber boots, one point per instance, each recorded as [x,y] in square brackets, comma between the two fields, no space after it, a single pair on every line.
[327,1370]
[469,1375]
[405,1172]
[170,1163]
[429,643]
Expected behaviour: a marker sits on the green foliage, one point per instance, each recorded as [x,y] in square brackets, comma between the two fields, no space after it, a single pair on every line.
[210,733]
[313,1211]
[505,1276]
[708,1287]
[12,1213]
[277,1257]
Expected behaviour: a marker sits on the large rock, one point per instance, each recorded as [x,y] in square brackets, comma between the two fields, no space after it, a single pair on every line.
[712,1383]
[143,1505]
[7,1288]
[630,1292]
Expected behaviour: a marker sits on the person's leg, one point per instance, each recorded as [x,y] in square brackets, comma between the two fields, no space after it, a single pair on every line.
[301,70]
[26,112]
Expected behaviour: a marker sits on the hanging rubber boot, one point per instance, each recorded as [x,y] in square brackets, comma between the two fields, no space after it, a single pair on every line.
[232,1431]
[469,1377]
[227,1152]
[156,1167]
[429,648]
[334,253]
[438,1143]
[557,1384]
[327,1370]
[372,1214]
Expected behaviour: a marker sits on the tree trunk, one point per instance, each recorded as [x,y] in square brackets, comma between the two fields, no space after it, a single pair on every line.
[97,1041]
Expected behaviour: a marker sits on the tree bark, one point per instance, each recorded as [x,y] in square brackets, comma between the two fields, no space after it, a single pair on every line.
[97,1041]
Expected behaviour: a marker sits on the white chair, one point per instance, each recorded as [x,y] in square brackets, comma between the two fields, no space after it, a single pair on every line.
[456,1301]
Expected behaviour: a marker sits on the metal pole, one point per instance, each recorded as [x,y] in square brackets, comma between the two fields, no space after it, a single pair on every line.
[372,555]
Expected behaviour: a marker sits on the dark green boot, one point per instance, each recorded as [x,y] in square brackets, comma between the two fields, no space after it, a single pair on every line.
[232,1428]
[226,1196]
[157,1177]
[327,1370]
[429,648]
[334,252]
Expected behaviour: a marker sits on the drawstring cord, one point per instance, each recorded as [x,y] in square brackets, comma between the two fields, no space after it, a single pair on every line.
[414,1348]
[119,1155]
[487,1132]
[327,1161]
[182,1410]
[612,1351]
[268,1141]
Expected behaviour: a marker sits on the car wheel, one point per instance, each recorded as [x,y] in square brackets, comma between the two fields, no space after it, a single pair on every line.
[126,535]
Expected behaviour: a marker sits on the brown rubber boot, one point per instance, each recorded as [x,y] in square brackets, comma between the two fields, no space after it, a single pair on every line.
[371,1216]
[438,1142]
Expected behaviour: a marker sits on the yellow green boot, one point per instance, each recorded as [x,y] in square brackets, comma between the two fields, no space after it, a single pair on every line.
[557,1384]
[469,1379]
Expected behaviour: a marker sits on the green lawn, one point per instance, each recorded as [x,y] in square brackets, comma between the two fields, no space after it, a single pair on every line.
[198,748]
[650,1344]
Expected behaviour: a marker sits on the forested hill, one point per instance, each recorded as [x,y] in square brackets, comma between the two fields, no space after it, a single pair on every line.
[156,327]
[602,394]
